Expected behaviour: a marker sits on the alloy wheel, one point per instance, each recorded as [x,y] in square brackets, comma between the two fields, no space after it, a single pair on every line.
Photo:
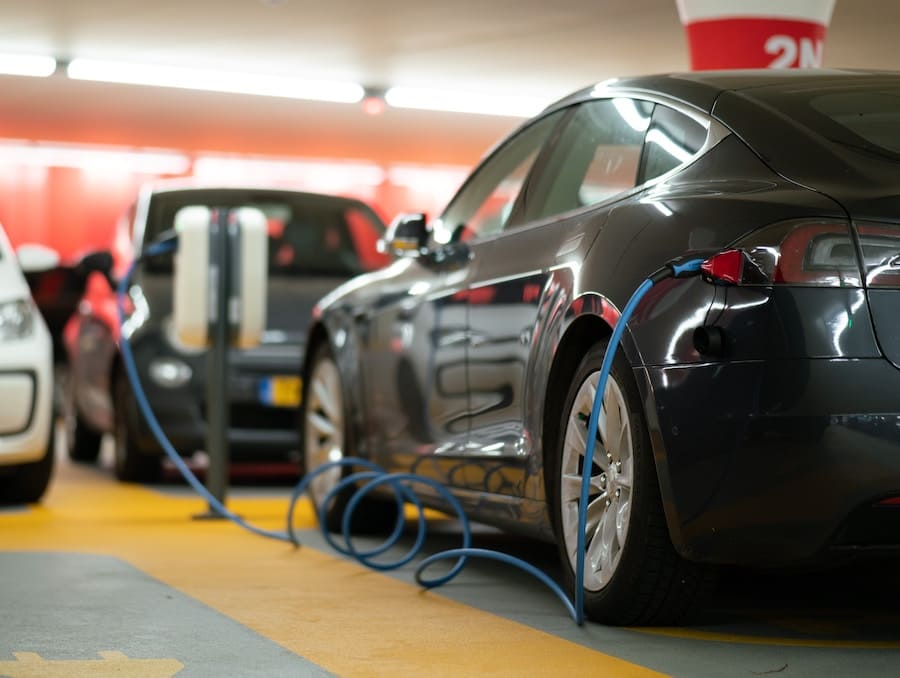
[611,481]
[324,431]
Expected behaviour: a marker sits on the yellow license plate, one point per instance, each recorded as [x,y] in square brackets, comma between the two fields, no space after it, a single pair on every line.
[281,391]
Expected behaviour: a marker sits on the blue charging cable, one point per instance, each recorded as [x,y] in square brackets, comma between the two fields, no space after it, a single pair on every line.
[677,268]
[401,483]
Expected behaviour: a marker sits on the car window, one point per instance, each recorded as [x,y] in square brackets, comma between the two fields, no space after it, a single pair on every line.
[672,139]
[485,203]
[319,240]
[306,236]
[596,157]
[365,232]
[861,115]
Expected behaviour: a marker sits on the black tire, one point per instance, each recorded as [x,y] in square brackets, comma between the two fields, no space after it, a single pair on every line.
[645,581]
[82,442]
[132,464]
[28,482]
[374,514]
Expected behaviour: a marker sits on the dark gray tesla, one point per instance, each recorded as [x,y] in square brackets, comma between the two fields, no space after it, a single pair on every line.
[752,413]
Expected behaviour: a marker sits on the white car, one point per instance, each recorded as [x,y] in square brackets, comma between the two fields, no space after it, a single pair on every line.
[26,383]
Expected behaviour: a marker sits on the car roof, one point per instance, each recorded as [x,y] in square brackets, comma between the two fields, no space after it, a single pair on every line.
[183,189]
[700,89]
[187,187]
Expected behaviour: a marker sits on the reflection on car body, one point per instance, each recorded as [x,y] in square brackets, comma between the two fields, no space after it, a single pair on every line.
[751,414]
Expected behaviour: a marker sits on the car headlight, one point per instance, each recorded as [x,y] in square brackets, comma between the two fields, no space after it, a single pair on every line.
[170,372]
[16,320]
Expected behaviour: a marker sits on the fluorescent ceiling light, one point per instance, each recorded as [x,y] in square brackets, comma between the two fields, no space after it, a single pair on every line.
[214,81]
[464,102]
[26,64]
[41,154]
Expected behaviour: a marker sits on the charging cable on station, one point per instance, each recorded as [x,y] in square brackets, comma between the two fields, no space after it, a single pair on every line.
[401,483]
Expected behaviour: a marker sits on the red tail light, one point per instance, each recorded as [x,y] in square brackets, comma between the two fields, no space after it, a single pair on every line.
[880,245]
[812,253]
[893,501]
[50,285]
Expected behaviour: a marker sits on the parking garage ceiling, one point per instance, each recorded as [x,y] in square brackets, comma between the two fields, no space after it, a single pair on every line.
[531,47]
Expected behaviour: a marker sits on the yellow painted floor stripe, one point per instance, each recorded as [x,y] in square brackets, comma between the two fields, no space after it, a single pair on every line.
[343,617]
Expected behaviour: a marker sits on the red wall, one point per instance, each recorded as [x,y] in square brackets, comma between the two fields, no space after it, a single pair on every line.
[70,209]
[75,210]
[419,159]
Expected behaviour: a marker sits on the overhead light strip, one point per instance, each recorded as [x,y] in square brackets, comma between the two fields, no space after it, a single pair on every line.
[214,81]
[27,64]
[451,101]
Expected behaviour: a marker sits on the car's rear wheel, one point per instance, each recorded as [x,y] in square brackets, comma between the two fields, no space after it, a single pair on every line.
[131,464]
[28,482]
[632,573]
[82,442]
[328,436]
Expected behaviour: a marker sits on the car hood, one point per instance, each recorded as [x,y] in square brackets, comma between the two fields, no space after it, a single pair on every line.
[291,301]
[376,289]
[289,305]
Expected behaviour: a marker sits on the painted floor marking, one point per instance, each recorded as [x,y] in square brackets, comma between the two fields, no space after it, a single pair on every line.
[337,614]
[111,664]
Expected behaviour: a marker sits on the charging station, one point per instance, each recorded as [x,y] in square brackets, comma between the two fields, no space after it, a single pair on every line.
[219,303]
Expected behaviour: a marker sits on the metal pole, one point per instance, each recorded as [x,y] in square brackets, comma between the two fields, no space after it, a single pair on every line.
[217,401]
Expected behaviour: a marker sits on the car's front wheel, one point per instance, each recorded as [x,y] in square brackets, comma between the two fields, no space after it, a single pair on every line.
[632,573]
[328,436]
[131,465]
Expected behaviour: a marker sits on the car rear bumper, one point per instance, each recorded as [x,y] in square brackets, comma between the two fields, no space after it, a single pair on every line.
[773,462]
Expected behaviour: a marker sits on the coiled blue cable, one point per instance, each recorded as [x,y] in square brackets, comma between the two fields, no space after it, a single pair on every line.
[400,483]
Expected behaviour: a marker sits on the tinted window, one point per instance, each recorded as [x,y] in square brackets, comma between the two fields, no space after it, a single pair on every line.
[672,139]
[485,203]
[320,240]
[308,235]
[862,116]
[872,116]
[596,157]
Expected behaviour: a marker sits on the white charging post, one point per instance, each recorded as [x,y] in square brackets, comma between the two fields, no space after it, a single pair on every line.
[219,301]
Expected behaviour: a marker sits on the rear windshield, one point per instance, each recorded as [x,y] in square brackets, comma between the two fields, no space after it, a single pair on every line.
[863,117]
[307,236]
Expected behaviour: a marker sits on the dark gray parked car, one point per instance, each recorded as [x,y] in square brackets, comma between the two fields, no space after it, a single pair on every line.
[315,243]
[751,414]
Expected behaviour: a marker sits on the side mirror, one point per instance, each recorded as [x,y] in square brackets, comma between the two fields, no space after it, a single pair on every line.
[406,236]
[101,262]
[35,258]
[97,262]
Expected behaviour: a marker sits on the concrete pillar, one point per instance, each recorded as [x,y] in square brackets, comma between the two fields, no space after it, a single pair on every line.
[726,34]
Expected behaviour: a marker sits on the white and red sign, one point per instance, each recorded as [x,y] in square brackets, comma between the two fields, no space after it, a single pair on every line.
[755,33]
